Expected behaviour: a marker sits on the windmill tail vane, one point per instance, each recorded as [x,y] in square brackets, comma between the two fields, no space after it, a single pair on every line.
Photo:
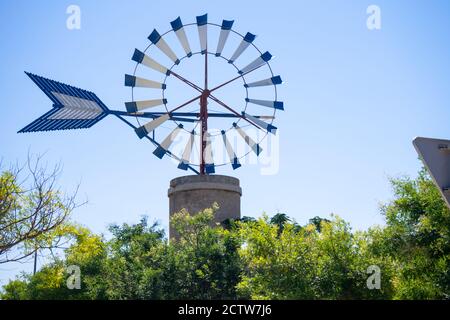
[75,108]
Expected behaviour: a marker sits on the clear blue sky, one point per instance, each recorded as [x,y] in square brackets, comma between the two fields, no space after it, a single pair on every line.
[354,101]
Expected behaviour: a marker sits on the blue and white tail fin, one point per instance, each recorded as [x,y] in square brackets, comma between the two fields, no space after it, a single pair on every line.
[73,108]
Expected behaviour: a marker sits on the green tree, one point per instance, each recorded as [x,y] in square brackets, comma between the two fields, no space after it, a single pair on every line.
[280,220]
[50,282]
[31,209]
[417,236]
[265,258]
[205,258]
[317,222]
[306,263]
[139,263]
[343,259]
[134,267]
[276,265]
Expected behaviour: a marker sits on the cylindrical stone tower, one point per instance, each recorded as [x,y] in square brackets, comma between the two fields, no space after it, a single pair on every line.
[198,192]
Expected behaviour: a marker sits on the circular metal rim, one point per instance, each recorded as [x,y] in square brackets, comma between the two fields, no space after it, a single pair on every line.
[208,52]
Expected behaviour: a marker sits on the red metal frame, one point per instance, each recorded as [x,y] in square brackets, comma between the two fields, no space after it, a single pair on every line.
[203,115]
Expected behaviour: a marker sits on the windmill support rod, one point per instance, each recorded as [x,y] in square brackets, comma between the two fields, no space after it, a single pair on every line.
[177,114]
[152,115]
[204,128]
[204,115]
[206,67]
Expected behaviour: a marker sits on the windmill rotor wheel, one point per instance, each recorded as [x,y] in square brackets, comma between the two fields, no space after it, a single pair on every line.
[203,129]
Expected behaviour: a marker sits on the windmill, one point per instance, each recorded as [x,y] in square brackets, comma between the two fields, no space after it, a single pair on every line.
[250,118]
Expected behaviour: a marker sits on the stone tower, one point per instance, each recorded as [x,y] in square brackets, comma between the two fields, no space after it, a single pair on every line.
[198,192]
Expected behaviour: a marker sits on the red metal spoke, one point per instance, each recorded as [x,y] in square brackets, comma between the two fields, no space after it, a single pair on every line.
[229,81]
[206,66]
[203,115]
[185,104]
[233,111]
[193,85]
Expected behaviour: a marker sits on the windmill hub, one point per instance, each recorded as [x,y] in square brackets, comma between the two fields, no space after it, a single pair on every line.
[204,97]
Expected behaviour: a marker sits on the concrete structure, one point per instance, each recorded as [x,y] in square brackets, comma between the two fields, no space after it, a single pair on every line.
[197,192]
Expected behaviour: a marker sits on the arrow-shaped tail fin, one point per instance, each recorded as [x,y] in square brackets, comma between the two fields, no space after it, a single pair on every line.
[73,108]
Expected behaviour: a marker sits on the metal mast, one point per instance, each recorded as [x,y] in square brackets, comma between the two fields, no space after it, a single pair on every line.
[204,116]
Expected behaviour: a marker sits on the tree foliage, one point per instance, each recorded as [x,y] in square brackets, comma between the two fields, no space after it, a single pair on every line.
[265,258]
[417,236]
[32,208]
